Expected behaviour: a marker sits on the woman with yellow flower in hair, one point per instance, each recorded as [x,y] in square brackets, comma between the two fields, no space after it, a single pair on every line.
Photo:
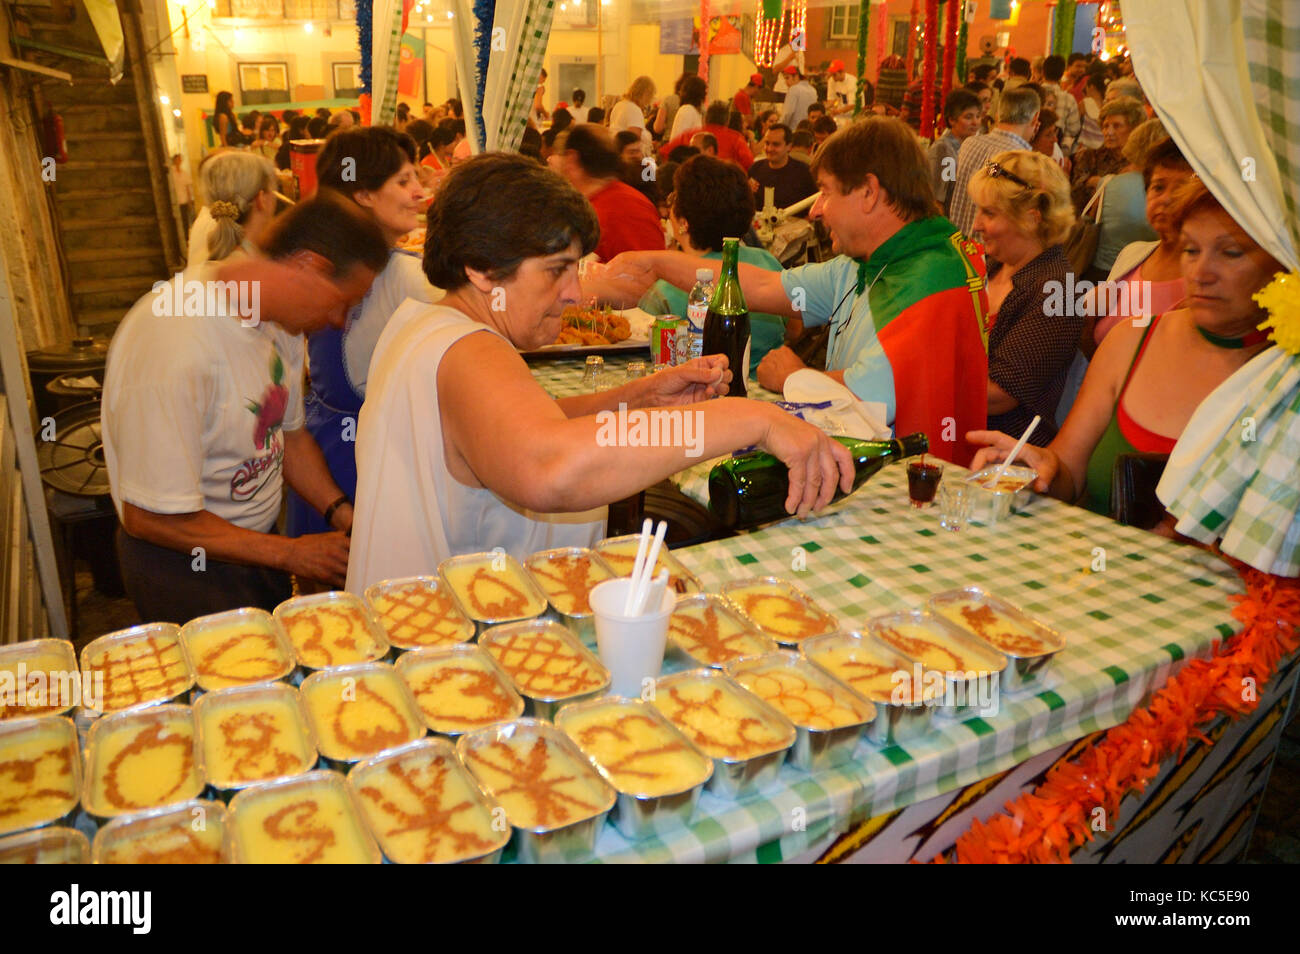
[1147,379]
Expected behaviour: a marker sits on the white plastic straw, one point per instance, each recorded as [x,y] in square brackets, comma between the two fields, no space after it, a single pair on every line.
[637,566]
[641,585]
[654,593]
[1020,445]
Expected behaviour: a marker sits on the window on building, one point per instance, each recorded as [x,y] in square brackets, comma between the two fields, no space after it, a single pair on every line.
[263,83]
[291,10]
[347,80]
[576,14]
[844,22]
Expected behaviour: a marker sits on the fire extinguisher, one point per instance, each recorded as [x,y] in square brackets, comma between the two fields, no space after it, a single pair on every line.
[56,144]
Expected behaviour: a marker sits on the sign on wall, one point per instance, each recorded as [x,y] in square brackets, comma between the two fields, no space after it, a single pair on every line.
[194,82]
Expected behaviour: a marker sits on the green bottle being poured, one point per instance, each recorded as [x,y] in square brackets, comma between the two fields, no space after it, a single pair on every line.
[747,491]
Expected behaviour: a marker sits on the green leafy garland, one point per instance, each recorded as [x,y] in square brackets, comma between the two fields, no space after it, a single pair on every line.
[864,21]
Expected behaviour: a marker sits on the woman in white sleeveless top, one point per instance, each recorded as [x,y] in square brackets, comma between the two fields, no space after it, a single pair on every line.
[459,449]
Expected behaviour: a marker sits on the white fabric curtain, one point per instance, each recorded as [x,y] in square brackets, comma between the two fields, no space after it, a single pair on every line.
[521,29]
[1222,75]
[1190,57]
[462,36]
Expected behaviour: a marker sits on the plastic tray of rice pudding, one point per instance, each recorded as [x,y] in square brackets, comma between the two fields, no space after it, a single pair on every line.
[141,759]
[252,734]
[459,689]
[546,663]
[779,609]
[309,819]
[38,677]
[54,845]
[419,612]
[555,801]
[708,631]
[971,669]
[620,554]
[40,772]
[658,774]
[1029,644]
[567,575]
[191,833]
[884,677]
[745,737]
[424,807]
[828,715]
[493,588]
[331,629]
[995,501]
[241,647]
[359,711]
[136,666]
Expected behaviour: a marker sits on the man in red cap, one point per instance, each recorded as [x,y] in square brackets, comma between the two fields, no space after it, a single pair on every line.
[742,102]
[798,97]
[841,90]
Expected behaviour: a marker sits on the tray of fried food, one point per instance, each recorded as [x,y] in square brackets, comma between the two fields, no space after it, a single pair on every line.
[593,327]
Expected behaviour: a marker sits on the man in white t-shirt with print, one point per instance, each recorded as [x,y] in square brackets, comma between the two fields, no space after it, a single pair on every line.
[202,419]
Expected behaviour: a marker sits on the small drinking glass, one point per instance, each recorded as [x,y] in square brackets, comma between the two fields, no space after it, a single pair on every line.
[592,372]
[956,500]
[636,369]
[922,482]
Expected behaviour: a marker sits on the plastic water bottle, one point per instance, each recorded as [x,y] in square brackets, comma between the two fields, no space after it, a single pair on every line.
[690,340]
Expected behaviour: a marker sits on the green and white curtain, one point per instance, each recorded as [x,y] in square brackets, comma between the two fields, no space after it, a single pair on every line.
[521,29]
[385,60]
[1224,77]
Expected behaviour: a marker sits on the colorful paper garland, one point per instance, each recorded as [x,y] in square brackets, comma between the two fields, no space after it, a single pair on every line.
[1047,824]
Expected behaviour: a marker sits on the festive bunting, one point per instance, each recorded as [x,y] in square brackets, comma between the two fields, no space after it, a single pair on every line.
[911,40]
[961,48]
[864,20]
[949,54]
[927,68]
[704,40]
[484,13]
[365,13]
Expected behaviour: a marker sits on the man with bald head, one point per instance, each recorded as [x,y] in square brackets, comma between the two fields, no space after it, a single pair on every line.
[628,220]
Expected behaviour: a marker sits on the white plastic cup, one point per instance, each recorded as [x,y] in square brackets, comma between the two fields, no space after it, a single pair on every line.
[630,647]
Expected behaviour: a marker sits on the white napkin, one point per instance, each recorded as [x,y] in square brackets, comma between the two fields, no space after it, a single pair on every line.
[640,322]
[846,415]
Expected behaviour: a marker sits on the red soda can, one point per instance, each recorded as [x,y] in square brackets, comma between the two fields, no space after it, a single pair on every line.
[663,339]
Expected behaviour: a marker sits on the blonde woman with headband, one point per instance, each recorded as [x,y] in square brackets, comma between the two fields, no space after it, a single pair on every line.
[1023,214]
[240,191]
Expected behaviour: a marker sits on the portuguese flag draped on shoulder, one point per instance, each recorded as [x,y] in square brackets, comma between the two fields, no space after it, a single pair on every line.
[930,312]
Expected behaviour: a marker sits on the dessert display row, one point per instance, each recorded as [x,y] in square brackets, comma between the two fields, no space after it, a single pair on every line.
[646,760]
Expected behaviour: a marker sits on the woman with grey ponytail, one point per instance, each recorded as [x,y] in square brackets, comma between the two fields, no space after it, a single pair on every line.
[239,188]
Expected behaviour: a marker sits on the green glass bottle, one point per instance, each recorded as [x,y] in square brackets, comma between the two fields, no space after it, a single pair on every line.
[726,326]
[751,490]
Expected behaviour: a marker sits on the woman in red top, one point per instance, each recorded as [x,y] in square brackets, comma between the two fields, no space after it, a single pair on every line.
[1144,383]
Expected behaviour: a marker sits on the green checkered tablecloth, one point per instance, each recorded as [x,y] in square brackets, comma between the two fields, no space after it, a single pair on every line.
[1132,607]
[562,377]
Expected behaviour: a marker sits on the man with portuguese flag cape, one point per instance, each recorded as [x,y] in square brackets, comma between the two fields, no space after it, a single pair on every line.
[904,299]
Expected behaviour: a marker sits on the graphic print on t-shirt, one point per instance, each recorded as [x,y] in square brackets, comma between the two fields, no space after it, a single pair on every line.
[268,417]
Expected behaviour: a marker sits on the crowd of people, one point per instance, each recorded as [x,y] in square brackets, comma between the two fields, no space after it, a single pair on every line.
[944,306]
